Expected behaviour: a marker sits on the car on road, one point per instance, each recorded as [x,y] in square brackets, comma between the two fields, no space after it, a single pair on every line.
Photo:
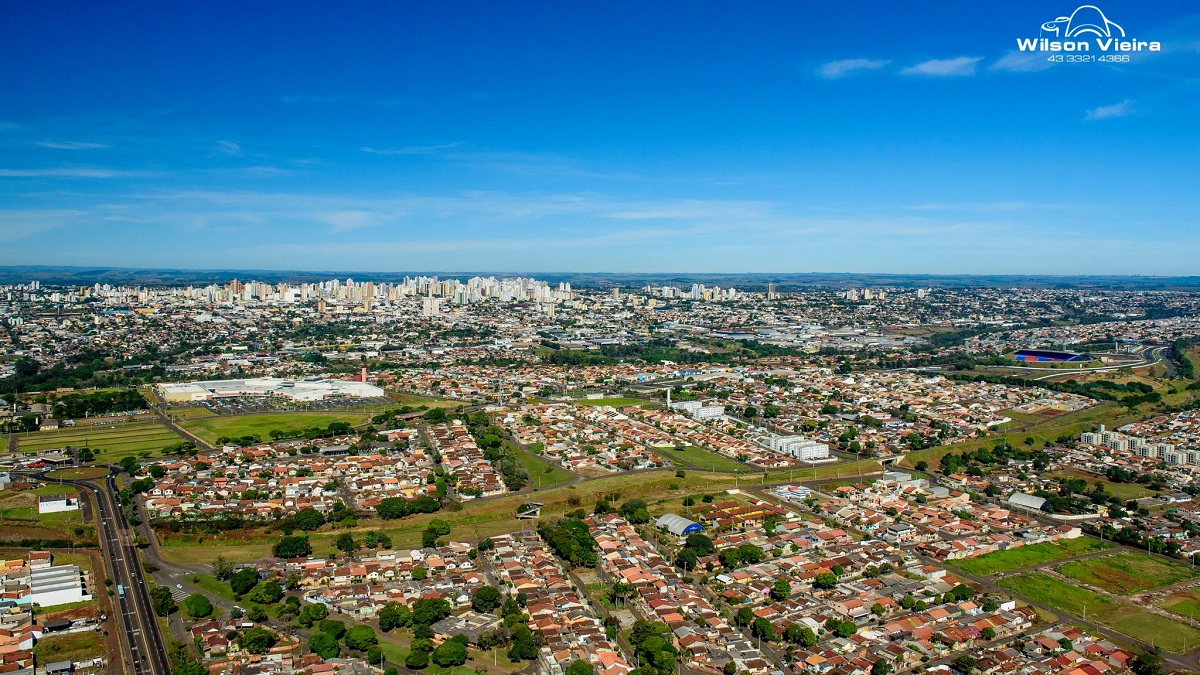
[178,585]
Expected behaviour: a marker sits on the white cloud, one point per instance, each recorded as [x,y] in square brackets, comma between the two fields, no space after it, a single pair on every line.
[962,65]
[349,220]
[71,145]
[21,223]
[410,150]
[65,173]
[837,69]
[229,148]
[1106,112]
[1022,62]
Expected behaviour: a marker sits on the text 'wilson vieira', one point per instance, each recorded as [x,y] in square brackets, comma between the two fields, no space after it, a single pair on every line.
[1103,44]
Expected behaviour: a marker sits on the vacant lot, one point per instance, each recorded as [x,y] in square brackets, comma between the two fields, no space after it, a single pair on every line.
[1184,603]
[1058,594]
[72,647]
[1024,556]
[1125,573]
[19,517]
[236,426]
[542,473]
[1123,491]
[79,473]
[1122,616]
[703,458]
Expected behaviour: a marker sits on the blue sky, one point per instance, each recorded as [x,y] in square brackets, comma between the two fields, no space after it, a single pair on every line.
[569,136]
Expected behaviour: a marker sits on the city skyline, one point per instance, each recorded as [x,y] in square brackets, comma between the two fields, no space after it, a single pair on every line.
[675,139]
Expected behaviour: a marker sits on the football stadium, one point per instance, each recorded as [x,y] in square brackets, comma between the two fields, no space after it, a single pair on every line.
[1050,356]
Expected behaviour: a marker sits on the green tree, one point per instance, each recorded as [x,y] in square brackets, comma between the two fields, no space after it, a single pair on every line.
[881,667]
[161,601]
[197,606]
[825,580]
[416,659]
[452,652]
[427,612]
[486,599]
[393,615]
[781,590]
[345,543]
[293,547]
[580,667]
[965,664]
[265,593]
[333,627]
[361,638]
[762,629]
[257,640]
[323,645]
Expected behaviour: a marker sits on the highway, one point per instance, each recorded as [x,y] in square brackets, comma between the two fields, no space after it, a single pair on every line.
[145,652]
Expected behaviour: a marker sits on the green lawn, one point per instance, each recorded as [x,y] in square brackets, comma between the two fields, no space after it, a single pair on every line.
[542,474]
[1126,572]
[236,426]
[210,584]
[1024,556]
[703,458]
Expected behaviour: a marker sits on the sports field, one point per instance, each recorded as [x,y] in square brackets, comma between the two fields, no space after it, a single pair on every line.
[236,426]
[1024,556]
[1126,572]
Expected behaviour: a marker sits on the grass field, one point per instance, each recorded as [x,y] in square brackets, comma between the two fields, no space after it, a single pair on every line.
[210,584]
[1118,615]
[111,442]
[1183,602]
[1108,413]
[81,473]
[1123,491]
[704,459]
[73,647]
[1024,556]
[541,473]
[1126,572]
[236,426]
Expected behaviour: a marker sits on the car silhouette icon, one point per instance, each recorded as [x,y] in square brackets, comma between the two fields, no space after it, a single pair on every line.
[1085,20]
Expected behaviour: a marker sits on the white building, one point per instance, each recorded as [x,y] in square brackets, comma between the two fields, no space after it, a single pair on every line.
[308,389]
[57,586]
[804,449]
[57,503]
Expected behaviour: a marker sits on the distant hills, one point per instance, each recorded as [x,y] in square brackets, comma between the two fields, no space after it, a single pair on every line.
[86,276]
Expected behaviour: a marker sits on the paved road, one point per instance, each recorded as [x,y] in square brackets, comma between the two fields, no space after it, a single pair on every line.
[145,651]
